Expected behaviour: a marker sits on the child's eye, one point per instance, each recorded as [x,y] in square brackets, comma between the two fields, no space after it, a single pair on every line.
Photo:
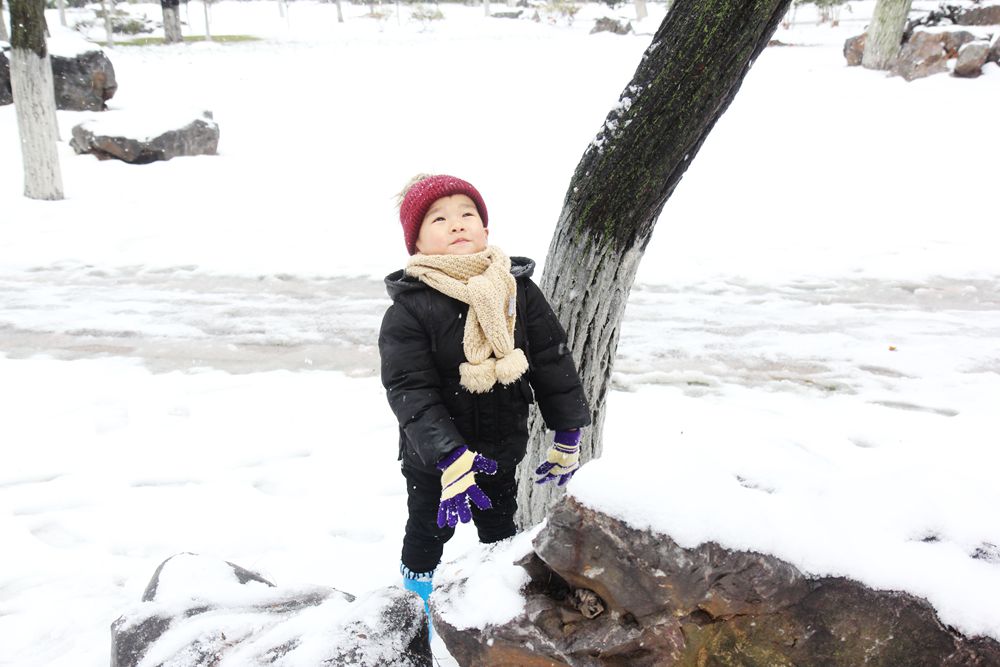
[438,219]
[467,213]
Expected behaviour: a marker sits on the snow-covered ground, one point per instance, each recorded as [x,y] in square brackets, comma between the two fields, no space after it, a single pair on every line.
[809,364]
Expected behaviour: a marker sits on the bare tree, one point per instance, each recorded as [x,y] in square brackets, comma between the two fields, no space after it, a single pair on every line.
[685,81]
[108,7]
[171,21]
[208,20]
[340,13]
[61,5]
[640,10]
[34,100]
[4,35]
[885,34]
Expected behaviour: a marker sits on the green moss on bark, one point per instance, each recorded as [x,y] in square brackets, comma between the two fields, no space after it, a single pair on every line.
[27,26]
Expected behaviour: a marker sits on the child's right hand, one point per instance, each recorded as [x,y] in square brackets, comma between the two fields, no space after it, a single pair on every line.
[458,486]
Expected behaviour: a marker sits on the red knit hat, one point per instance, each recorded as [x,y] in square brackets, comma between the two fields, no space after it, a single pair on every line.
[423,193]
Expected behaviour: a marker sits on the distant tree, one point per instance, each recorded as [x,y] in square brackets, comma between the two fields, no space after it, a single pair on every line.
[208,20]
[108,7]
[171,21]
[340,13]
[4,35]
[885,34]
[685,81]
[61,5]
[640,10]
[34,100]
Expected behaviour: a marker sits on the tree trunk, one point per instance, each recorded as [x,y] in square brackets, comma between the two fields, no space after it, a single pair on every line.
[34,100]
[640,10]
[108,7]
[171,21]
[61,5]
[685,81]
[340,13]
[4,35]
[208,28]
[486,7]
[885,34]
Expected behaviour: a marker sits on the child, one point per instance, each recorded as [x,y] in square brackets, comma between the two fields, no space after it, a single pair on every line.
[467,345]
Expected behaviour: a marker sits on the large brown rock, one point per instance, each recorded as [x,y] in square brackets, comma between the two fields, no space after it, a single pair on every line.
[666,605]
[235,616]
[954,40]
[84,82]
[989,15]
[971,59]
[922,55]
[6,97]
[199,137]
[854,49]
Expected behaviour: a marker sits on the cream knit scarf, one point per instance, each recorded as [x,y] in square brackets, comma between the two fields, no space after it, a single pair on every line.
[483,281]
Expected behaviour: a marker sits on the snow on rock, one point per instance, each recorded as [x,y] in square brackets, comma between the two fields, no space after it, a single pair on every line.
[141,139]
[603,592]
[199,611]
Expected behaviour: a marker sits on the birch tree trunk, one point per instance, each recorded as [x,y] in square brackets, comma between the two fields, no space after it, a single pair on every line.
[208,28]
[486,7]
[4,35]
[108,6]
[171,21]
[885,34]
[61,5]
[340,13]
[640,10]
[34,100]
[685,81]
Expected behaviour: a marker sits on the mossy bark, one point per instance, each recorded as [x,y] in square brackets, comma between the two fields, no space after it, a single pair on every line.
[27,26]
[885,34]
[685,81]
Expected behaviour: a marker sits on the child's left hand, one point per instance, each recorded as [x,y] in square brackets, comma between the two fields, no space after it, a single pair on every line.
[563,458]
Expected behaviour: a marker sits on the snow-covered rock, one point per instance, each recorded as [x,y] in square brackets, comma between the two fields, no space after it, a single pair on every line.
[199,611]
[122,139]
[603,592]
[923,55]
[854,49]
[971,58]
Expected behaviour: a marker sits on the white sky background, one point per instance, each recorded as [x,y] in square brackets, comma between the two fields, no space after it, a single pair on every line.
[755,367]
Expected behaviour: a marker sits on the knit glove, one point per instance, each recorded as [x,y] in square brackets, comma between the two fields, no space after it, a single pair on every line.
[563,458]
[458,486]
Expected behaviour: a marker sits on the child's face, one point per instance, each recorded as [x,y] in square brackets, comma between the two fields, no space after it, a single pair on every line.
[452,226]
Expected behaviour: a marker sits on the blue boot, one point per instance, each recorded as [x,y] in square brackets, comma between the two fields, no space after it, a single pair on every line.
[421,583]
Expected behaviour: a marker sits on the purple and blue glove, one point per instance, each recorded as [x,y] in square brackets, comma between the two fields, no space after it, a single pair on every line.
[458,486]
[563,458]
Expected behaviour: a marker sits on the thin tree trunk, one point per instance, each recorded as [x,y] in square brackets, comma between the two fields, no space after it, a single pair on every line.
[171,21]
[685,81]
[4,35]
[281,8]
[208,28]
[885,34]
[340,13]
[640,10]
[61,5]
[486,7]
[108,7]
[34,100]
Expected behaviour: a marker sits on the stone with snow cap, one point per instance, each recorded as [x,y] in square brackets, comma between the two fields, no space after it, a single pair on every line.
[199,611]
[131,140]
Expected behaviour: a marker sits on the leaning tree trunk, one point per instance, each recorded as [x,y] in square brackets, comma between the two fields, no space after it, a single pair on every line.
[885,34]
[4,35]
[171,21]
[685,81]
[34,100]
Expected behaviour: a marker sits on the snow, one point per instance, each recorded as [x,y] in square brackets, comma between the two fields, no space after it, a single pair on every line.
[807,367]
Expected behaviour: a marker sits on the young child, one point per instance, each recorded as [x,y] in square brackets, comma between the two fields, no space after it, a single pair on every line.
[467,345]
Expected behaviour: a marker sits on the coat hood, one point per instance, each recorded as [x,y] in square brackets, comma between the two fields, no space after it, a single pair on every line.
[398,282]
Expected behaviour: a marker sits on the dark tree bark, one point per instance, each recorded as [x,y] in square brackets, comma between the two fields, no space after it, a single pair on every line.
[171,21]
[685,81]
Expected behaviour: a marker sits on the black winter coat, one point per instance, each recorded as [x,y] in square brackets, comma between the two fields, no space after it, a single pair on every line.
[421,348]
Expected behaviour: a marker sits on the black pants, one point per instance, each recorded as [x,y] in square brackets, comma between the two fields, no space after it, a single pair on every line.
[423,542]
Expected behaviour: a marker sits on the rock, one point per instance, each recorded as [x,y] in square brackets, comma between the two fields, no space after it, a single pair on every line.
[953,40]
[980,16]
[922,55]
[971,59]
[993,57]
[507,15]
[6,97]
[84,82]
[199,137]
[670,605]
[854,49]
[199,611]
[605,24]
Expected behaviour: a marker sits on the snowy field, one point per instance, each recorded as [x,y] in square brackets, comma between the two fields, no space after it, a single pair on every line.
[809,364]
